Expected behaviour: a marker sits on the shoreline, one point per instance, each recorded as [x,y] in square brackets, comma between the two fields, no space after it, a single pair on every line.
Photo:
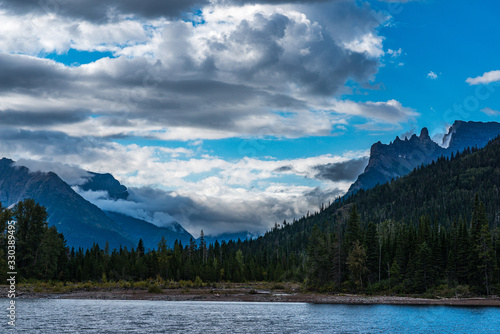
[253,295]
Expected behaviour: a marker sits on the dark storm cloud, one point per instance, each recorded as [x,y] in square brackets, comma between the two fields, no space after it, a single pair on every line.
[273,2]
[341,171]
[292,63]
[216,216]
[318,196]
[323,70]
[284,169]
[211,104]
[18,73]
[72,175]
[102,10]
[47,143]
[31,118]
[146,202]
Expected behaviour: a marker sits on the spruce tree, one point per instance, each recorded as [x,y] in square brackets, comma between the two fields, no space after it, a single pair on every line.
[30,228]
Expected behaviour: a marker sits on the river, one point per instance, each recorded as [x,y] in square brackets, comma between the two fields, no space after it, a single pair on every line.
[119,316]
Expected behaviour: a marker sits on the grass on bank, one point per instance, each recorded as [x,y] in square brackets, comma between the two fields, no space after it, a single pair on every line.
[158,285]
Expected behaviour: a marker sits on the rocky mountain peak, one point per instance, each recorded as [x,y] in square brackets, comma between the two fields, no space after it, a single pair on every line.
[470,134]
[400,157]
[106,182]
[424,134]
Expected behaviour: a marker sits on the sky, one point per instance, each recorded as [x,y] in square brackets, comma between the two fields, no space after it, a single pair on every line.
[232,115]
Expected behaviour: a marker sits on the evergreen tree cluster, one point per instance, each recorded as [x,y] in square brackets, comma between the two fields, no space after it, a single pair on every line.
[437,226]
[406,258]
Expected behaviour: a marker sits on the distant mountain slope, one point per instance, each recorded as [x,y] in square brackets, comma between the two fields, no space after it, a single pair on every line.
[81,222]
[470,134]
[149,233]
[106,182]
[400,157]
[210,239]
[444,190]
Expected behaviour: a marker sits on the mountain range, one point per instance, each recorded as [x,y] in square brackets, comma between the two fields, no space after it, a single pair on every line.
[84,224]
[398,158]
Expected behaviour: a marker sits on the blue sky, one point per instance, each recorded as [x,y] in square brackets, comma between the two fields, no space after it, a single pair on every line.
[233,109]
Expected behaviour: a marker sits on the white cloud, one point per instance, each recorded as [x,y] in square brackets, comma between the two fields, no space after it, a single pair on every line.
[490,112]
[391,111]
[486,78]
[369,43]
[179,81]
[248,71]
[432,75]
[48,33]
[209,193]
[395,53]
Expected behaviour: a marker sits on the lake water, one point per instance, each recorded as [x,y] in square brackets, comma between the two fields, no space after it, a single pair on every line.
[116,316]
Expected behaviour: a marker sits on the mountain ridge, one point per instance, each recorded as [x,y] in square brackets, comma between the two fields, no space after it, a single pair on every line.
[399,157]
[82,222]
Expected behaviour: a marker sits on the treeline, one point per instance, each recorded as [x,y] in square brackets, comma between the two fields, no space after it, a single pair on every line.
[347,256]
[39,251]
[424,231]
[405,258]
[444,189]
[42,254]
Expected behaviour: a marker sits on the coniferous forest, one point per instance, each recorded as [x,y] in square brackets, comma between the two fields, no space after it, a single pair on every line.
[434,229]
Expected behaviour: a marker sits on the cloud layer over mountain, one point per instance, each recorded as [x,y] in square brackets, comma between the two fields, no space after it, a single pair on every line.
[148,82]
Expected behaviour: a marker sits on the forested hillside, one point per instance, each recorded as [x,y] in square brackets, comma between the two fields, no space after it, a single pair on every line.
[437,228]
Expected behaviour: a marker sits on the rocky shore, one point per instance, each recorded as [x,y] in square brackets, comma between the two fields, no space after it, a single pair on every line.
[250,294]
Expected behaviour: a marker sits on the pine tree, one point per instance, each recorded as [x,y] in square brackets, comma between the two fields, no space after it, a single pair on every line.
[484,249]
[371,246]
[163,257]
[203,248]
[31,225]
[51,248]
[356,262]
[318,263]
[353,231]
[424,275]
[479,219]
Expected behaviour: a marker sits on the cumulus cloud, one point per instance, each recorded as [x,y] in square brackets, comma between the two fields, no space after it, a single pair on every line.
[73,175]
[432,75]
[395,53]
[208,192]
[486,78]
[191,71]
[175,80]
[345,171]
[95,10]
[391,111]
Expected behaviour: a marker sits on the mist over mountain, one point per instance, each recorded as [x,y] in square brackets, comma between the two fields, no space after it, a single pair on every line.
[81,222]
[98,208]
[106,182]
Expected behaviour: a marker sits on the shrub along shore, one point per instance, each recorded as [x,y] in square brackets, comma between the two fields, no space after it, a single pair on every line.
[232,292]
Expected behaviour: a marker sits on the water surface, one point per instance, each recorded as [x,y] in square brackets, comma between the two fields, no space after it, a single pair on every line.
[117,316]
